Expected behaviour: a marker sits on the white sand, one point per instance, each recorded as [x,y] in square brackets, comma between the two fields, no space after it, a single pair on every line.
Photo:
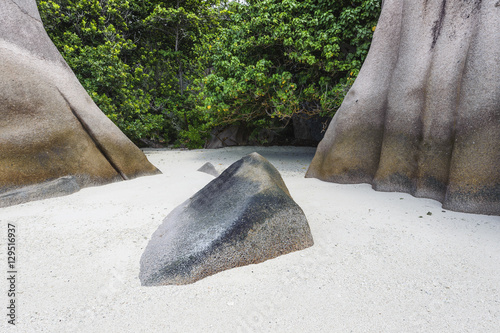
[382,262]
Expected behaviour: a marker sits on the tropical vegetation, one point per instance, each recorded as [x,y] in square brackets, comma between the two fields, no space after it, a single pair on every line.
[169,72]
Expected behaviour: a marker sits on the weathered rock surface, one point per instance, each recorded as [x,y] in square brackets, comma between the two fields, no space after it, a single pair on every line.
[245,216]
[49,189]
[209,169]
[423,116]
[49,126]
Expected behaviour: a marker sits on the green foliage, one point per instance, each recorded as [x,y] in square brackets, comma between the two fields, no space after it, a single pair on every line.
[172,70]
[274,58]
[174,30]
[133,57]
[94,38]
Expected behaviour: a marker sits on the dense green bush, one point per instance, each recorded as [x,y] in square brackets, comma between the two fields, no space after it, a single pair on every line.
[133,57]
[275,58]
[168,71]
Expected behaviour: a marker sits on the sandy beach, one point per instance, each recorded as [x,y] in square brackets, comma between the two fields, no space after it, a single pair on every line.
[382,262]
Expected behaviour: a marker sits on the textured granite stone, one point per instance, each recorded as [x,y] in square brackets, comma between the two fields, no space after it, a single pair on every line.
[49,126]
[423,116]
[209,169]
[245,216]
[49,189]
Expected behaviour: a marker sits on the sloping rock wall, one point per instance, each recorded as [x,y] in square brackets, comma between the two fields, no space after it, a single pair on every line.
[49,126]
[423,116]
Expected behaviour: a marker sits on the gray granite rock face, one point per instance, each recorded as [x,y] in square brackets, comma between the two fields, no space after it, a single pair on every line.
[209,169]
[423,116]
[49,126]
[49,189]
[245,216]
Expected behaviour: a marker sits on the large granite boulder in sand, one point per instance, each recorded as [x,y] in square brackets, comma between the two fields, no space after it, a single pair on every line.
[245,216]
[50,128]
[423,116]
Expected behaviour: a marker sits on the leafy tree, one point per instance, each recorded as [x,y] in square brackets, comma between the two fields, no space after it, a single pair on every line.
[175,28]
[133,57]
[96,40]
[174,69]
[276,58]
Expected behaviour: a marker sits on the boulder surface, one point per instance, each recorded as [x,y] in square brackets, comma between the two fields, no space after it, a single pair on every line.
[245,216]
[50,128]
[423,116]
[209,169]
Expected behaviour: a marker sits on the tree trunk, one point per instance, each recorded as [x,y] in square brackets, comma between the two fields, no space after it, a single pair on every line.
[180,72]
